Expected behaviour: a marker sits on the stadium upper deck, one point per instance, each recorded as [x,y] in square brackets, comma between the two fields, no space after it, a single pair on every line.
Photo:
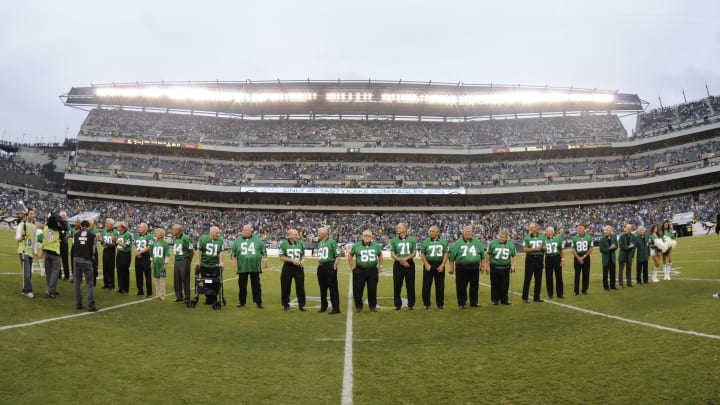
[356,98]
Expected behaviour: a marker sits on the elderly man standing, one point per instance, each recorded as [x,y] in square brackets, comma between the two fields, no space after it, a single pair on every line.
[248,252]
[365,262]
[183,251]
[467,256]
[642,247]
[124,247]
[143,243]
[210,263]
[83,248]
[534,248]
[292,253]
[554,262]
[402,250]
[108,239]
[627,254]
[607,248]
[434,254]
[328,260]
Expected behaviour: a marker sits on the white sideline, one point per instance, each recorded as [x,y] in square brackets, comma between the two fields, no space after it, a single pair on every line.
[619,318]
[347,388]
[59,318]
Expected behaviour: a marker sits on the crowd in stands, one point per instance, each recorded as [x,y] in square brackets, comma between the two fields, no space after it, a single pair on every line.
[272,226]
[20,173]
[666,119]
[396,174]
[199,129]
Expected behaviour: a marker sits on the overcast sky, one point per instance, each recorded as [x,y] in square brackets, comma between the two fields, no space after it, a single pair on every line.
[651,48]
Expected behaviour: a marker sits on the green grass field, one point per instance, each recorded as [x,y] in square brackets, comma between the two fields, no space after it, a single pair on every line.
[163,352]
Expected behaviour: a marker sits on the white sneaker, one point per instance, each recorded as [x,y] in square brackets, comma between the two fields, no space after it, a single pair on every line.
[30,294]
[655,280]
[716,295]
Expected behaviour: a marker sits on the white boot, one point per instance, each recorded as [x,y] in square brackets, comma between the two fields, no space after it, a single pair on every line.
[655,272]
[669,267]
[665,271]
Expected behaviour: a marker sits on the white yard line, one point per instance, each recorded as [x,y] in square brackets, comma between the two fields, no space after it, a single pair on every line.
[347,388]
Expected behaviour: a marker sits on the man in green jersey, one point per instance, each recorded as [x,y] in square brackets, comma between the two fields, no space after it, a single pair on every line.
[183,251]
[248,253]
[210,261]
[366,261]
[108,239]
[291,254]
[534,248]
[143,243]
[554,262]
[124,248]
[467,257]
[502,257]
[581,248]
[608,246]
[402,250]
[328,259]
[643,253]
[434,254]
[626,256]
[27,235]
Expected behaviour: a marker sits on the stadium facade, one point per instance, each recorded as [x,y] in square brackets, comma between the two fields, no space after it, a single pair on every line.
[377,146]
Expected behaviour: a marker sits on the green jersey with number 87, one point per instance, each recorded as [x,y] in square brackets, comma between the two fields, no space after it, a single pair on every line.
[554,245]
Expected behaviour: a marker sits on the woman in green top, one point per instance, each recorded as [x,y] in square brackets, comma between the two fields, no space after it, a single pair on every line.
[669,237]
[160,258]
[654,251]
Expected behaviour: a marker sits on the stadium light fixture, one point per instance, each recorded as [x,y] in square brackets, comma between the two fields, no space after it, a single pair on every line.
[204,95]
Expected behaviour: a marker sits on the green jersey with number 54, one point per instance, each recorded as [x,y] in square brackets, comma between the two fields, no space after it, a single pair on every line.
[249,253]
[501,254]
[209,251]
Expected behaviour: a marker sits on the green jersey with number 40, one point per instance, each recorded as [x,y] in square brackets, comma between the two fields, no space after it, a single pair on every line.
[209,251]
[501,253]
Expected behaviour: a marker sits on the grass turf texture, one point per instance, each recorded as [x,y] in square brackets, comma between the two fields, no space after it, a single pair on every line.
[163,352]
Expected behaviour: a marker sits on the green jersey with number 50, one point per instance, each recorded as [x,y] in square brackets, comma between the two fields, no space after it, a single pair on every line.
[209,251]
[501,253]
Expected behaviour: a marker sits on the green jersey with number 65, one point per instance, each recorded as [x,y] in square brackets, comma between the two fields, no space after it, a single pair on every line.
[501,254]
[366,257]
[209,251]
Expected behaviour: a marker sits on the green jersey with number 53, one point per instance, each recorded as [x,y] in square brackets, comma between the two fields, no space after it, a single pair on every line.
[209,251]
[501,254]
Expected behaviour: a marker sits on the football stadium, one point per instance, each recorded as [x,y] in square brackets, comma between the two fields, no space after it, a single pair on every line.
[290,165]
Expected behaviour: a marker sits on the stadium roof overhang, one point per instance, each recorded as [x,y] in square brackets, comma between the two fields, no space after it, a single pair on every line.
[353,98]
